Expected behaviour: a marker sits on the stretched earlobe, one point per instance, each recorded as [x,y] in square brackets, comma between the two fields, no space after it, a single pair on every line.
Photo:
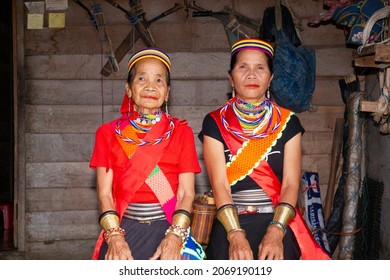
[128,90]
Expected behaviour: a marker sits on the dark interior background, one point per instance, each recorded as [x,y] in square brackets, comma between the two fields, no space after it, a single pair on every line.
[6,101]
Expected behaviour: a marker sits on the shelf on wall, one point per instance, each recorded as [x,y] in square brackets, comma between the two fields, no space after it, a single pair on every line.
[376,56]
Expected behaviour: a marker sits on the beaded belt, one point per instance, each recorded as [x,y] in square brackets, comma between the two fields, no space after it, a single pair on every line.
[252,201]
[251,209]
[144,212]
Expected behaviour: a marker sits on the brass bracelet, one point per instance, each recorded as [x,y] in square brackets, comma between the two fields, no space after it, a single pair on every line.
[109,221]
[228,216]
[283,213]
[181,218]
[107,213]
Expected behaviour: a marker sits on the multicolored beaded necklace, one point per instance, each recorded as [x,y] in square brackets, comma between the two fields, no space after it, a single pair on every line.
[256,120]
[144,122]
[140,123]
[250,115]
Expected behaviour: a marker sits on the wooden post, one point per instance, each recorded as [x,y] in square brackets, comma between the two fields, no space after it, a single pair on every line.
[335,157]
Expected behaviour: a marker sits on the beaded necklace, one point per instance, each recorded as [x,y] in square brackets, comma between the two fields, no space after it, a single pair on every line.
[144,122]
[129,135]
[251,116]
[257,120]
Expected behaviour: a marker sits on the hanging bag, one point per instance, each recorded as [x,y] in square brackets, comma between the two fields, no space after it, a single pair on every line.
[269,26]
[294,70]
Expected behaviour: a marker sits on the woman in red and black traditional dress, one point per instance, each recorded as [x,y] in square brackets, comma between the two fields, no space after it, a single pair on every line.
[252,153]
[145,163]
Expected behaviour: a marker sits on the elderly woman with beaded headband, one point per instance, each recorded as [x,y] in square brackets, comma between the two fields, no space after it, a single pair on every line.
[145,163]
[252,153]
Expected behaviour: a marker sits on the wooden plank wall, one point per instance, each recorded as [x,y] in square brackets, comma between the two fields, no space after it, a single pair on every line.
[67,99]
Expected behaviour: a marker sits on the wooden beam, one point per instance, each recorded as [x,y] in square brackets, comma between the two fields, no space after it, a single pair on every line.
[365,61]
[382,53]
[377,56]
[364,51]
[369,106]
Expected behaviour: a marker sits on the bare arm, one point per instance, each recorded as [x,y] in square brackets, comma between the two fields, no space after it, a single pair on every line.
[271,246]
[118,249]
[170,246]
[214,158]
[292,168]
[186,191]
[104,189]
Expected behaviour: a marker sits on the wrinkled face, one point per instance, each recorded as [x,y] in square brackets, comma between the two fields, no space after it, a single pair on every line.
[149,88]
[251,76]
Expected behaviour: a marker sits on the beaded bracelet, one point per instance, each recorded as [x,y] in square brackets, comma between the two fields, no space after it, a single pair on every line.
[113,231]
[280,225]
[179,231]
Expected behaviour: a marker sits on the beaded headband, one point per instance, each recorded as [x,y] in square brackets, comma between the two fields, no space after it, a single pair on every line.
[253,44]
[149,53]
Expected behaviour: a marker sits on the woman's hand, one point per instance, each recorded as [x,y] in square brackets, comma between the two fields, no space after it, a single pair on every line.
[239,248]
[169,248]
[271,247]
[118,249]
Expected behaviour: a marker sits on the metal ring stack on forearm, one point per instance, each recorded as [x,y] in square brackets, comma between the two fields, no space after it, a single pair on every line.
[180,222]
[283,213]
[109,220]
[228,216]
